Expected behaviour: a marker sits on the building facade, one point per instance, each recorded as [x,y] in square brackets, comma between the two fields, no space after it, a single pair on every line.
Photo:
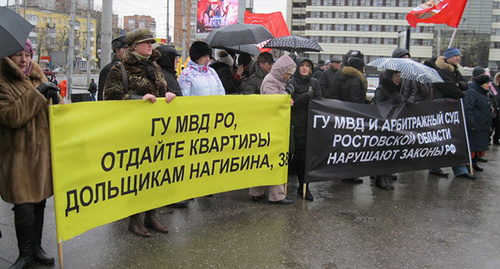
[185,21]
[50,35]
[372,26]
[131,23]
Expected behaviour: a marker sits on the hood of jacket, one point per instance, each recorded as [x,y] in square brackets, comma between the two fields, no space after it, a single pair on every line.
[348,72]
[167,59]
[441,63]
[300,78]
[281,66]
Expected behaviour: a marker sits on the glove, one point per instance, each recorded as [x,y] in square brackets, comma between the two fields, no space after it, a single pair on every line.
[45,87]
[54,94]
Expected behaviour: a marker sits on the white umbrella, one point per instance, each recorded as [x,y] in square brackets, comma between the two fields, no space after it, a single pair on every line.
[409,69]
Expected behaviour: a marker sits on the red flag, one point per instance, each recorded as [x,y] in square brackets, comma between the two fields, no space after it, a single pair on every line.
[274,22]
[438,12]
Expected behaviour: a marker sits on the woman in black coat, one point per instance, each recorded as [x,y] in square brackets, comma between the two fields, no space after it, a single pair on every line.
[477,109]
[168,63]
[303,87]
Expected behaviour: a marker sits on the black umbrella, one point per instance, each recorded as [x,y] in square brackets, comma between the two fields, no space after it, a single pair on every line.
[238,34]
[14,30]
[293,43]
[248,48]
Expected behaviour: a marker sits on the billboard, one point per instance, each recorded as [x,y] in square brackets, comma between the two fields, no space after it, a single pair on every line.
[212,14]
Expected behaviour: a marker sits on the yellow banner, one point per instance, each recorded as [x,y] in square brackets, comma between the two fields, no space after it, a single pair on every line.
[113,159]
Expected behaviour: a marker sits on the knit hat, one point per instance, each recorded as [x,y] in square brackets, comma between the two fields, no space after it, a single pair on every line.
[400,53]
[477,71]
[139,36]
[356,63]
[327,62]
[482,79]
[224,57]
[450,52]
[29,48]
[199,49]
[119,42]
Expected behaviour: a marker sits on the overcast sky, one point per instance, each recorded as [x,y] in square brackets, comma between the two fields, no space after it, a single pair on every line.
[158,10]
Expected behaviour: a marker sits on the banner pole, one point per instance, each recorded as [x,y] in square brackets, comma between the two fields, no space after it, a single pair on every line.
[452,37]
[60,254]
[304,186]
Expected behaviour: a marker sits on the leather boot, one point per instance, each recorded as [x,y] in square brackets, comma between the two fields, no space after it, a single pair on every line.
[475,166]
[152,222]
[136,227]
[38,253]
[24,234]
[383,182]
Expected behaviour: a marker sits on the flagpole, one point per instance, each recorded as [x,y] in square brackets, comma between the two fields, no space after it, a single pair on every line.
[452,37]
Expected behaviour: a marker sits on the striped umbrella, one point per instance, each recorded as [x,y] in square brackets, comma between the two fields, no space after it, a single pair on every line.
[409,69]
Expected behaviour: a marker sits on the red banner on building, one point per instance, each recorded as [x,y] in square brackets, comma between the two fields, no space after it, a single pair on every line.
[447,12]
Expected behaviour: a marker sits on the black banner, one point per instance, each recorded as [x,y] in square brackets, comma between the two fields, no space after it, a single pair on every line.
[346,140]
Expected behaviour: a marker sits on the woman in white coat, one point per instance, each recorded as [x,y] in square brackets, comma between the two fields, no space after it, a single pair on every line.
[198,78]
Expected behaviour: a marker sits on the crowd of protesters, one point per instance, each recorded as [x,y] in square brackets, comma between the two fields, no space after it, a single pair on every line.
[141,71]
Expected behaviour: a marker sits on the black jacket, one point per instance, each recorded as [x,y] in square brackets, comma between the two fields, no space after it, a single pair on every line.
[454,84]
[327,82]
[387,91]
[304,89]
[167,64]
[230,84]
[353,85]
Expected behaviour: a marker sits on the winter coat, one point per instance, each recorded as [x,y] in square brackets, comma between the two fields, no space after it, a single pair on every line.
[477,108]
[231,85]
[92,87]
[414,91]
[274,82]
[25,168]
[327,83]
[305,89]
[454,84]
[251,85]
[198,79]
[353,85]
[143,77]
[103,75]
[387,91]
[167,64]
[317,73]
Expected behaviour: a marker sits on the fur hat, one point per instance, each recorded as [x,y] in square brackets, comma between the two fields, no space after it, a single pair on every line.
[482,79]
[224,57]
[119,42]
[450,52]
[356,63]
[138,36]
[477,71]
[199,49]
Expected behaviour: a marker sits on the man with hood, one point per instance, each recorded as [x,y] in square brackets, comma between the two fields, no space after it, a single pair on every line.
[453,87]
[251,85]
[275,83]
[168,63]
[119,47]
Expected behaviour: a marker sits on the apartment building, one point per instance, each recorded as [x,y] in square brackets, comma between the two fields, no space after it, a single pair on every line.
[131,23]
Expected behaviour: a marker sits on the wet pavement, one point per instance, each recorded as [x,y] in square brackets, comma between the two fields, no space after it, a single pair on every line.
[426,222]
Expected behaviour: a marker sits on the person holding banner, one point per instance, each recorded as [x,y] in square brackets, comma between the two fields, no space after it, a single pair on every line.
[25,170]
[198,78]
[478,112]
[275,83]
[303,87]
[145,81]
[453,87]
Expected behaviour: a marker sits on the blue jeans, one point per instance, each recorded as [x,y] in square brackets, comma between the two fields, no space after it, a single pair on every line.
[92,96]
